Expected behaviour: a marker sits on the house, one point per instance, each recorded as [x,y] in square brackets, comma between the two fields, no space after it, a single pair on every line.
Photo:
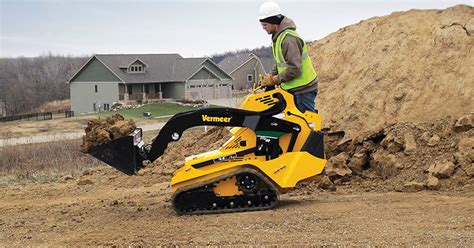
[106,79]
[245,69]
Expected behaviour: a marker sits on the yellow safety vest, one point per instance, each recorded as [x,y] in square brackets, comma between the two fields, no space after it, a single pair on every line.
[308,74]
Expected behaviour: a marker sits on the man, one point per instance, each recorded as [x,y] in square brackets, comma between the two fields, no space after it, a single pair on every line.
[293,71]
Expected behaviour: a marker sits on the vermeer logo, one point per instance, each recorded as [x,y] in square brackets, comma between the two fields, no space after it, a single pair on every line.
[215,119]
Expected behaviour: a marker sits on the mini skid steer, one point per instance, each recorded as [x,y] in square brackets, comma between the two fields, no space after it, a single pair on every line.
[273,147]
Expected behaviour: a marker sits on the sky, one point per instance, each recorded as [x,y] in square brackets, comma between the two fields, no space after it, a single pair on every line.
[191,28]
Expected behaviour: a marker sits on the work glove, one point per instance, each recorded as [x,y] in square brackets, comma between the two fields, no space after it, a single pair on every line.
[269,80]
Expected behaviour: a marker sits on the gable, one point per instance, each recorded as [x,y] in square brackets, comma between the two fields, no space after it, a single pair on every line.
[215,69]
[248,65]
[247,68]
[204,73]
[138,62]
[95,71]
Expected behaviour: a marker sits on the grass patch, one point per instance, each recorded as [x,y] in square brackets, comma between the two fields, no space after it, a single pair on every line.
[156,110]
[16,179]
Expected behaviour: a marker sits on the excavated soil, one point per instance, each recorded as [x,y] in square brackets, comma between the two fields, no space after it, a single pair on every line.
[102,130]
[411,66]
[396,95]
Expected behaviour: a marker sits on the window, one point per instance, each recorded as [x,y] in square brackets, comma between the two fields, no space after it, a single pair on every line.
[129,89]
[94,107]
[250,78]
[106,107]
[147,88]
[96,89]
[136,69]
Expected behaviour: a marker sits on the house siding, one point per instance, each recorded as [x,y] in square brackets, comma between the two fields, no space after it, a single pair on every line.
[95,71]
[216,70]
[240,75]
[83,95]
[203,74]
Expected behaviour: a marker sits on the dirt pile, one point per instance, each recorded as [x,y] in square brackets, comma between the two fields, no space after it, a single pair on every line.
[103,130]
[406,157]
[412,66]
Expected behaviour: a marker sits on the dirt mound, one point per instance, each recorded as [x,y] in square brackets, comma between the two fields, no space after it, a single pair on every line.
[406,157]
[409,66]
[103,130]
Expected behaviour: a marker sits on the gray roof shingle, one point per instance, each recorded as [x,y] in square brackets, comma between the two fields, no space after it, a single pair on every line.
[159,66]
[230,63]
[186,67]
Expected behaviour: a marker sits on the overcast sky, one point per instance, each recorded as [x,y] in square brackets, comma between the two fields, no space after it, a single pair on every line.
[189,27]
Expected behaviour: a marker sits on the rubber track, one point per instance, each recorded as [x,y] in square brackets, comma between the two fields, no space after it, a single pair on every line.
[211,183]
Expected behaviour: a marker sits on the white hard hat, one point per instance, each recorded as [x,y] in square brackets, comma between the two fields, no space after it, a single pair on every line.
[268,9]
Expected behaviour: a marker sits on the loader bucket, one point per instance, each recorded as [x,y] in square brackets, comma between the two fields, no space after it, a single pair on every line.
[123,153]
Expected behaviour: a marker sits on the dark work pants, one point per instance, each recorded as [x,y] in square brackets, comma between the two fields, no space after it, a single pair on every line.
[305,101]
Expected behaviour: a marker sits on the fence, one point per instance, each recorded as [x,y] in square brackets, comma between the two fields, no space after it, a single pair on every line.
[37,116]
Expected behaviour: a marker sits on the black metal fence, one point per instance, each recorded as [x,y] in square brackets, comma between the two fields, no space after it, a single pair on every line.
[36,116]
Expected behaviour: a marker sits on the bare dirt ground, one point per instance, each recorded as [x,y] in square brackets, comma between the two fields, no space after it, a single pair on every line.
[97,210]
[52,127]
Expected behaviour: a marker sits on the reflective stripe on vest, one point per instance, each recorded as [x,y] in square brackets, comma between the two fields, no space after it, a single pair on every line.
[308,74]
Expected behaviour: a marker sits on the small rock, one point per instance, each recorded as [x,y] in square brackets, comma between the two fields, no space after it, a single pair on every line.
[326,184]
[466,147]
[409,143]
[432,183]
[87,172]
[387,140]
[466,164]
[464,123]
[337,166]
[385,165]
[434,140]
[425,136]
[443,169]
[394,147]
[413,187]
[115,202]
[84,182]
[66,178]
[358,161]
[399,96]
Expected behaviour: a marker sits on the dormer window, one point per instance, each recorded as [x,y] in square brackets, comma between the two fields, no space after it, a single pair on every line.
[136,69]
[137,66]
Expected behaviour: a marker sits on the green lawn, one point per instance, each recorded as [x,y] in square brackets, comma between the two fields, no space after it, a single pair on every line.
[156,110]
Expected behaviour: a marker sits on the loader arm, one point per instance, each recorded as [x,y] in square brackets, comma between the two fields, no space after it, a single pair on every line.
[127,154]
[230,117]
